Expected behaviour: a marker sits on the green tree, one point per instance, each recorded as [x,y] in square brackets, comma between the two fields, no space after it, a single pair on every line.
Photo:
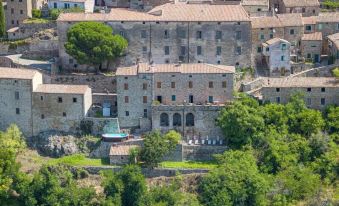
[336,73]
[236,181]
[156,146]
[332,119]
[92,43]
[240,122]
[2,21]
[127,187]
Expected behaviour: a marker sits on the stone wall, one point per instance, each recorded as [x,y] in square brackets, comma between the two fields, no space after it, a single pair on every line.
[96,125]
[98,83]
[28,29]
[248,86]
[201,152]
[149,173]
[325,71]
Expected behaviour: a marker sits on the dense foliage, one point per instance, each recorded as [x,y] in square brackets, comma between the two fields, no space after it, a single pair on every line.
[156,146]
[2,21]
[92,43]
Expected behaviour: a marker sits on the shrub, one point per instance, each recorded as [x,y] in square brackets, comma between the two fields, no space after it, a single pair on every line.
[36,13]
[54,13]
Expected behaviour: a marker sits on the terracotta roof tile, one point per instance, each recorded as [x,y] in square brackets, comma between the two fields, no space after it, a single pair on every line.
[300,3]
[335,39]
[121,150]
[328,17]
[15,73]
[167,12]
[280,20]
[61,89]
[303,82]
[175,68]
[294,19]
[309,20]
[255,3]
[316,36]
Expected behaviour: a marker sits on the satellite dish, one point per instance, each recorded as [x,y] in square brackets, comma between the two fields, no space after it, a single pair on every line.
[273,30]
[276,9]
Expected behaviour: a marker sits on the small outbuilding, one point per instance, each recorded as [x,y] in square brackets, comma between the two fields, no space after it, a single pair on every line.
[119,154]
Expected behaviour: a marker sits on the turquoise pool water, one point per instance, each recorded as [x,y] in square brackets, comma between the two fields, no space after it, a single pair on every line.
[121,135]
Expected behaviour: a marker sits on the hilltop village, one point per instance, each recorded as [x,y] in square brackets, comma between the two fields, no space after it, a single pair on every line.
[124,70]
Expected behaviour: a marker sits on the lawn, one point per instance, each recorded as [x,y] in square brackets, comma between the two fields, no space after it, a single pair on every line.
[188,165]
[78,160]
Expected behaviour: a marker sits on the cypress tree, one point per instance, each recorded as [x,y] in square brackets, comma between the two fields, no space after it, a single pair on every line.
[2,21]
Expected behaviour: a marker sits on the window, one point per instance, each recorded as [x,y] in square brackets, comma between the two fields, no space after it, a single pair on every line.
[278,100]
[291,31]
[144,86]
[218,52]
[182,34]
[145,113]
[218,62]
[17,110]
[167,50]
[176,120]
[309,56]
[277,89]
[210,99]
[224,84]
[218,35]
[16,94]
[125,77]
[59,99]
[190,84]
[172,85]
[283,46]
[125,86]
[238,35]
[322,101]
[126,99]
[309,89]
[64,114]
[144,99]
[308,27]
[12,11]
[159,99]
[282,58]
[41,98]
[259,49]
[199,35]
[210,84]
[158,85]
[323,89]
[199,50]
[308,101]
[164,120]
[70,61]
[259,9]
[190,99]
[126,113]
[189,120]
[144,49]
[75,100]
[42,116]
[143,34]
[174,98]
[271,35]
[21,11]
[267,49]
[320,26]
[262,37]
[166,34]
[183,50]
[238,50]
[303,10]
[55,5]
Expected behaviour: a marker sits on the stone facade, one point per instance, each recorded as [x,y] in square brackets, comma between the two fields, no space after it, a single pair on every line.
[160,39]
[277,57]
[69,108]
[36,107]
[86,5]
[16,88]
[319,92]
[157,93]
[17,11]
[304,7]
[333,48]
[311,47]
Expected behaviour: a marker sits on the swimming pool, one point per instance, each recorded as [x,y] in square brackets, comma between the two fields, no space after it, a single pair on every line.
[114,137]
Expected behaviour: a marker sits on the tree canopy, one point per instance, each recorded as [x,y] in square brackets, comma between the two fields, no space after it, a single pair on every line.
[92,43]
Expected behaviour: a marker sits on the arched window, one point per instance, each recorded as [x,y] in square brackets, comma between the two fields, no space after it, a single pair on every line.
[164,122]
[176,119]
[189,120]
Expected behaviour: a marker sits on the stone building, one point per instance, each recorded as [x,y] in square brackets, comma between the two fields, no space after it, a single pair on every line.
[190,33]
[86,5]
[16,88]
[283,26]
[333,48]
[17,11]
[277,56]
[319,92]
[37,107]
[304,7]
[256,7]
[119,154]
[159,96]
[311,46]
[70,105]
